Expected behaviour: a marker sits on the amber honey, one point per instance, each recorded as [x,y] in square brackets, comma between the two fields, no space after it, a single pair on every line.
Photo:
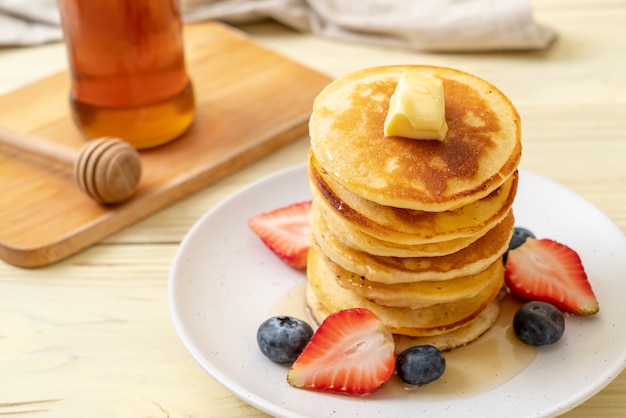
[129,78]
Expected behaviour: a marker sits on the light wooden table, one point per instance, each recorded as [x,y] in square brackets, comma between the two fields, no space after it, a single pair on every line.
[91,336]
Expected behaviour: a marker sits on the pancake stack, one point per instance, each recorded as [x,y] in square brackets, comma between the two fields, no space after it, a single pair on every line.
[413,230]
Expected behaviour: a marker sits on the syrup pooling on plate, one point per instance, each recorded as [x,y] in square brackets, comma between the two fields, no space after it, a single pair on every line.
[492,360]
[292,303]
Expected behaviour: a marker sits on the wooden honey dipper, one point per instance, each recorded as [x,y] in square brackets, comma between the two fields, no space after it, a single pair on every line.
[106,169]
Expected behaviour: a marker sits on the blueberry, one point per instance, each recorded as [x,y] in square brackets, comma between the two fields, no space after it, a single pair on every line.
[420,364]
[520,234]
[282,338]
[538,323]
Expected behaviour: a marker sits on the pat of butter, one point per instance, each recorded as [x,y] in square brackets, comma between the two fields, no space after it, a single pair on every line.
[417,108]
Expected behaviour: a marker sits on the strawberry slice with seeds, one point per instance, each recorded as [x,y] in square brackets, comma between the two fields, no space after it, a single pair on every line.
[545,270]
[351,352]
[286,232]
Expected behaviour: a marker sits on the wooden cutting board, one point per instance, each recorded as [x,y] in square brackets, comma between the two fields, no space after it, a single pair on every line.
[249,102]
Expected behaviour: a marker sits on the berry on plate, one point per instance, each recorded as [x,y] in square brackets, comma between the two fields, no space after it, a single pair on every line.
[282,338]
[545,270]
[286,232]
[351,352]
[538,323]
[420,364]
[520,235]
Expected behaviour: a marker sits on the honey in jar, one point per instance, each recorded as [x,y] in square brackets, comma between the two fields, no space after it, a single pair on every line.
[129,78]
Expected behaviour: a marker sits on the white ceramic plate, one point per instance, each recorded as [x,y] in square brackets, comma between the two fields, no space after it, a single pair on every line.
[224,282]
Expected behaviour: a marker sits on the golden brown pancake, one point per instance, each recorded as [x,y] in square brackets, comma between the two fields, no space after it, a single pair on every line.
[431,320]
[390,270]
[481,150]
[407,226]
[354,238]
[455,338]
[445,341]
[416,294]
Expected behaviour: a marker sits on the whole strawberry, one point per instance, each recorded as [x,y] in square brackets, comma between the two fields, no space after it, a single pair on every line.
[351,352]
[545,270]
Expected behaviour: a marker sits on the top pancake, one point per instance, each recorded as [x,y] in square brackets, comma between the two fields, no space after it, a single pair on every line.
[481,150]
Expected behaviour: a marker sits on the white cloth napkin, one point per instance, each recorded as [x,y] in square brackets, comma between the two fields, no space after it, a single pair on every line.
[29,22]
[430,25]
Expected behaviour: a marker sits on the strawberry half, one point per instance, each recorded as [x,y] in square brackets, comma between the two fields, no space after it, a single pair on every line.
[286,232]
[351,352]
[545,270]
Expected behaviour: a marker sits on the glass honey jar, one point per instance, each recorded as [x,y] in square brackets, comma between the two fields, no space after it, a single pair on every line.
[129,78]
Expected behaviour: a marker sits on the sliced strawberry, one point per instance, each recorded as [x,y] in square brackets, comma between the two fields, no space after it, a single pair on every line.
[352,352]
[545,270]
[286,232]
